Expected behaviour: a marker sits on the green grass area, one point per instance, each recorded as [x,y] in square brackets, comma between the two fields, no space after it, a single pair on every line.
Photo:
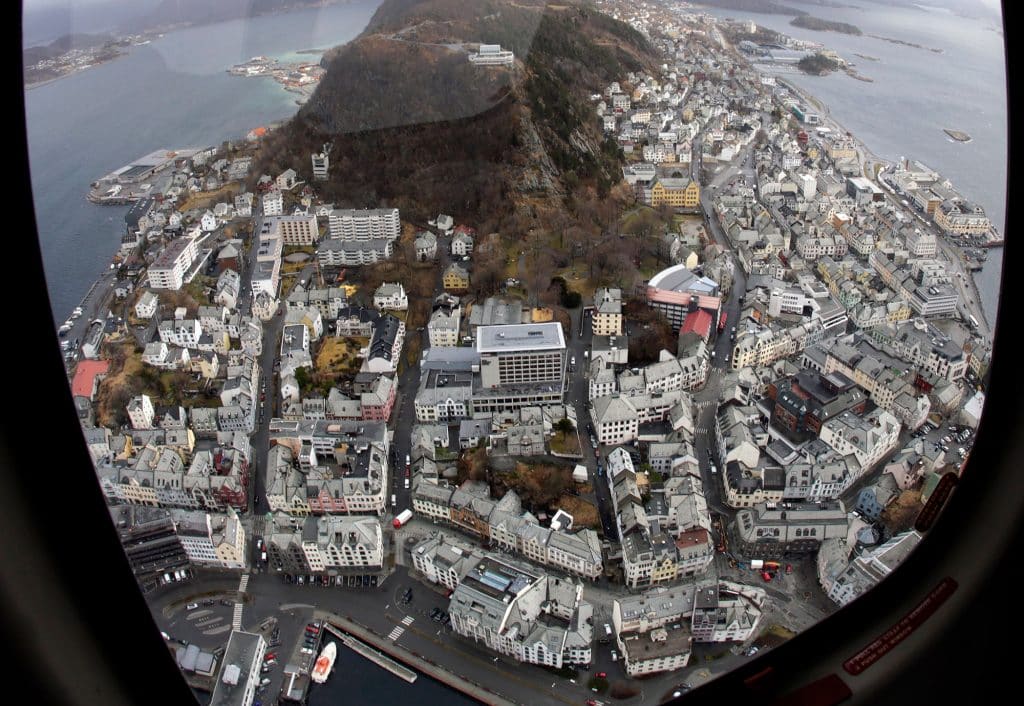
[565,443]
[339,355]
[632,215]
[198,288]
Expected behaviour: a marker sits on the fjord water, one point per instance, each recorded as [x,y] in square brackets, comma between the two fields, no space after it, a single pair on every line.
[916,93]
[171,93]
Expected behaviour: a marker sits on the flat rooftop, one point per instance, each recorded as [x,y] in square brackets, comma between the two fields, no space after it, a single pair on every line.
[509,338]
[640,646]
[242,650]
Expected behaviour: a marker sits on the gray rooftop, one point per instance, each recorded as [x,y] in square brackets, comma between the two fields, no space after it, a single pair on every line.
[242,650]
[519,337]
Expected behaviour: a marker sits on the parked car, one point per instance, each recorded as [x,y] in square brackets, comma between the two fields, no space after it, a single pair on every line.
[192,606]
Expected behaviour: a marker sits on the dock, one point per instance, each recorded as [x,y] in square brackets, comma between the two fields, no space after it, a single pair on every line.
[373,655]
[345,624]
[143,178]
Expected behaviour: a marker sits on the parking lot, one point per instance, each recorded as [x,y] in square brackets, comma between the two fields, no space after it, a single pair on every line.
[349,581]
[953,440]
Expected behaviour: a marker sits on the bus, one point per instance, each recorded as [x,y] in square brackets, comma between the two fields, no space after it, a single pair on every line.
[721,321]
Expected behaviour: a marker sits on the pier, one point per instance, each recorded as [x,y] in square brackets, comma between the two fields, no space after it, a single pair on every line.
[483,694]
[373,655]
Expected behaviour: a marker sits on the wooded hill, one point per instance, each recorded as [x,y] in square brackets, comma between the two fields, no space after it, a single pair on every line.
[415,125]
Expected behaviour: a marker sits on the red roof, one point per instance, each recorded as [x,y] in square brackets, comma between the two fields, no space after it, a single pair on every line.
[699,322]
[85,377]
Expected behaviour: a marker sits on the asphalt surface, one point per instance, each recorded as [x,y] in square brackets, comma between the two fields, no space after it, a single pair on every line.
[380,611]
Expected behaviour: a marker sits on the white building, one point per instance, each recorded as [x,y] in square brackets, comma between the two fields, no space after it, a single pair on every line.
[443,327]
[866,570]
[391,295]
[208,222]
[213,540]
[321,163]
[462,244]
[141,412]
[523,613]
[615,419]
[365,224]
[240,674]
[273,203]
[145,308]
[299,229]
[171,266]
[492,55]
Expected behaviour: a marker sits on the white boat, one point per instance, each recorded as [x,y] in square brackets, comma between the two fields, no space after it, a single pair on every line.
[324,664]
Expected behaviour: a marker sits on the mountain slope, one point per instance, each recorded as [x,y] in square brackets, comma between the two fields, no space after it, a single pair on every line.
[414,124]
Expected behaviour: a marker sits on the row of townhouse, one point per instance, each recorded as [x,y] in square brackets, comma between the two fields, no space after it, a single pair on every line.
[617,417]
[655,630]
[328,467]
[758,346]
[653,550]
[506,525]
[921,344]
[325,544]
[158,477]
[158,540]
[373,402]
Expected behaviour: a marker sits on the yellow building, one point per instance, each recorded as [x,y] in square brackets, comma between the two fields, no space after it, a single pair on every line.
[677,193]
[902,312]
[961,217]
[455,278]
[664,570]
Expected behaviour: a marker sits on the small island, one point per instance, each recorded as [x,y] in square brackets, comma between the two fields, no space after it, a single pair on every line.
[816,23]
[905,43]
[958,135]
[817,65]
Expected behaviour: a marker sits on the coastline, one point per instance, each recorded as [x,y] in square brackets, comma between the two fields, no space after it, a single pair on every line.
[879,164]
[73,72]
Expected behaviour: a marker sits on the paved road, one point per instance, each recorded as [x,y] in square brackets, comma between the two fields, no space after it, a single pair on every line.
[379,611]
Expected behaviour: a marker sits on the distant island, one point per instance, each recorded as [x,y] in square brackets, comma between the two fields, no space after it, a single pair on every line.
[768,7]
[904,43]
[817,65]
[170,14]
[816,23]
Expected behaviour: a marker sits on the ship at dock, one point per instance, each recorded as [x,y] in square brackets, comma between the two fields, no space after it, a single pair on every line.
[324,663]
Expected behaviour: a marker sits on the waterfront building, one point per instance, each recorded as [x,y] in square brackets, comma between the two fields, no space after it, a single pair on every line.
[961,217]
[325,544]
[239,674]
[526,614]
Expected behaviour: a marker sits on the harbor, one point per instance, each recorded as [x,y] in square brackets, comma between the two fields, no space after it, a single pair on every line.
[297,77]
[373,655]
[142,178]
